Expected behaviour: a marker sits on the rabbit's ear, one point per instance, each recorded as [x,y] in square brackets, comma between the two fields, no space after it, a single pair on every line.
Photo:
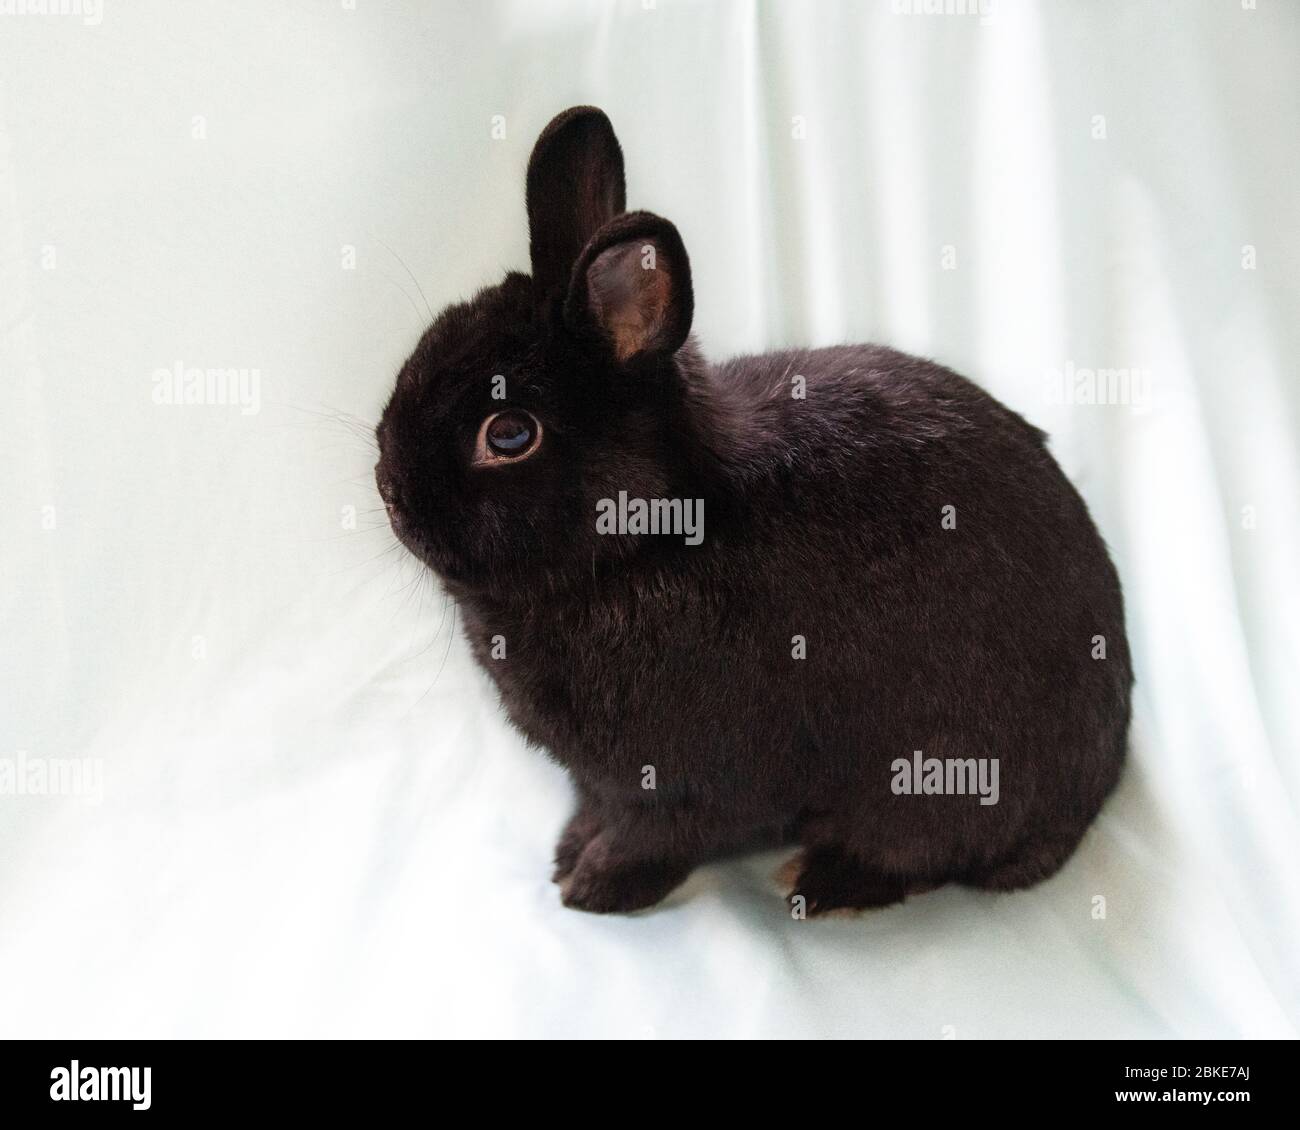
[575,185]
[632,287]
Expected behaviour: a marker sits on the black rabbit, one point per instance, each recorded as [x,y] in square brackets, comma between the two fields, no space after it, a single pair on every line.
[891,562]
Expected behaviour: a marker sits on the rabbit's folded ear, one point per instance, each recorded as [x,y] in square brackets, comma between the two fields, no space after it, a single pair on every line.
[575,185]
[632,287]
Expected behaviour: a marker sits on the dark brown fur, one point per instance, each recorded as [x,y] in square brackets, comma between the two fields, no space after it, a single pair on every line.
[823,519]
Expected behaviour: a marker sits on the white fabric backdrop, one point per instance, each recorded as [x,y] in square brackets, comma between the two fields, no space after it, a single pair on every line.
[314,820]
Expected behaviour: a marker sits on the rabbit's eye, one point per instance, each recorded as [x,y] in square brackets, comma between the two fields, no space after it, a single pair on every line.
[509,435]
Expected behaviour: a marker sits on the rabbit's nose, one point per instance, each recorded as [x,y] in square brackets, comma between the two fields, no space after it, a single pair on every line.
[388,492]
[387,488]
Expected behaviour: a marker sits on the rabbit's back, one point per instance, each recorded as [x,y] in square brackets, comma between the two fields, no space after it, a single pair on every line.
[940,580]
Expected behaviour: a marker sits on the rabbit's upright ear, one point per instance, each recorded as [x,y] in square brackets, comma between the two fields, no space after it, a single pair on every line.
[575,185]
[631,287]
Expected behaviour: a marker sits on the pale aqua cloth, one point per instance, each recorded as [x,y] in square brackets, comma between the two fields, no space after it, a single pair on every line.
[314,819]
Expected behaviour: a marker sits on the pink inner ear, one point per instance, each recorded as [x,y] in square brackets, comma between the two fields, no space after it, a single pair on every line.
[628,296]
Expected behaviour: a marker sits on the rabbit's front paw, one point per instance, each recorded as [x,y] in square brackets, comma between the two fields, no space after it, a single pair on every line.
[578,833]
[603,882]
